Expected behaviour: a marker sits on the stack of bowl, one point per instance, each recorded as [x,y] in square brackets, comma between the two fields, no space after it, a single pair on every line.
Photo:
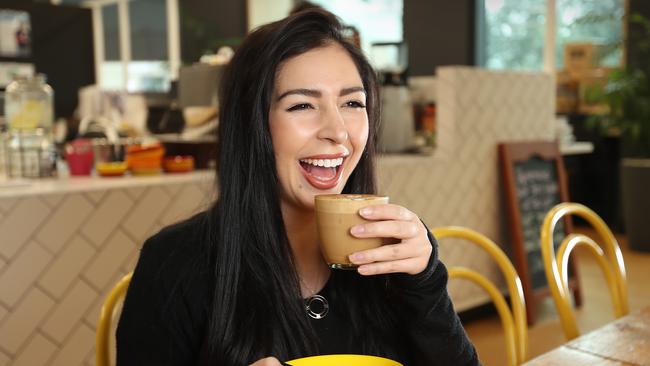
[145,159]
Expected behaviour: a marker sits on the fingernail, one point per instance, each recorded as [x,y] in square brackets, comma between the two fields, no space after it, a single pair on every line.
[356,257]
[363,270]
[357,229]
[366,211]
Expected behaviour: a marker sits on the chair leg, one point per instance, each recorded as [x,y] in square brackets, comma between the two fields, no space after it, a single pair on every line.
[577,290]
[531,316]
[577,296]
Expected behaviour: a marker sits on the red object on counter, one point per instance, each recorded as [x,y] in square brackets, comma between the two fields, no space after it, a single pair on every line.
[429,118]
[80,157]
[178,164]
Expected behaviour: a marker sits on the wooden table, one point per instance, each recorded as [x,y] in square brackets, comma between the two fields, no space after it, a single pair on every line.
[625,341]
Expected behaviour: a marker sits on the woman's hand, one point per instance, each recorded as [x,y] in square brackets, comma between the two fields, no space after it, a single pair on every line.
[269,361]
[410,255]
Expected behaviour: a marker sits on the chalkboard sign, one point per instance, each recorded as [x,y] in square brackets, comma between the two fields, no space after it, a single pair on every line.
[534,182]
[537,188]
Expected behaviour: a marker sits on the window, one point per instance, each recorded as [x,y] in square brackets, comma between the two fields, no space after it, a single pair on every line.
[111,68]
[597,21]
[513,31]
[141,61]
[381,20]
[514,34]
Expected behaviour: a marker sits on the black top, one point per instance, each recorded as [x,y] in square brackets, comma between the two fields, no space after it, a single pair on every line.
[166,309]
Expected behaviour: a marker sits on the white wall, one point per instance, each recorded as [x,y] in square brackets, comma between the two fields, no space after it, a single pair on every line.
[459,184]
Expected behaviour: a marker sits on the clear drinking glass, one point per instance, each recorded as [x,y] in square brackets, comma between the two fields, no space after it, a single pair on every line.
[336,214]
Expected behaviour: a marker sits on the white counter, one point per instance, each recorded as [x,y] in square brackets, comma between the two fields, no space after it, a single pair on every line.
[460,183]
[64,243]
[577,148]
[30,187]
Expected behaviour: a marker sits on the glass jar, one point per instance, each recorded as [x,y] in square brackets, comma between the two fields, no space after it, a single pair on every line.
[29,104]
[29,115]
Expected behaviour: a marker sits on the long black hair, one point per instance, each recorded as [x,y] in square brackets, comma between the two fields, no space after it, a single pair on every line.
[257,310]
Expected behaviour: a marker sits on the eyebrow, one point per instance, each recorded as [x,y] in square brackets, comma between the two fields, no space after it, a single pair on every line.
[317,93]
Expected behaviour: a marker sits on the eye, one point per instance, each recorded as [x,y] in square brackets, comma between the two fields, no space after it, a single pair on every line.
[354,104]
[299,107]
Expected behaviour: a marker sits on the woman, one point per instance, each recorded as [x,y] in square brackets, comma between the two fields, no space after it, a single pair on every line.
[228,286]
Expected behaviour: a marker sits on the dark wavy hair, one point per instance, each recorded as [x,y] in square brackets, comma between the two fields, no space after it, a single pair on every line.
[257,309]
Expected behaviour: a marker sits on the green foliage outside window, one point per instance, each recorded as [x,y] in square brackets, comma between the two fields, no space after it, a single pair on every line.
[514,30]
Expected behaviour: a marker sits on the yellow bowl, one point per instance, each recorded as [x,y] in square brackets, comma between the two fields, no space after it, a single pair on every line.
[111,169]
[343,360]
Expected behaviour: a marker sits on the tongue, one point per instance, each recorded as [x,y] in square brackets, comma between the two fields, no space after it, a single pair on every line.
[321,172]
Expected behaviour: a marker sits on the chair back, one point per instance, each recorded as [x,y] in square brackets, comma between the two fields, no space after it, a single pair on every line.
[103,334]
[610,261]
[513,318]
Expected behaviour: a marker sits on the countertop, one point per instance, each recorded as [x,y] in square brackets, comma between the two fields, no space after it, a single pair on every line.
[28,187]
[576,148]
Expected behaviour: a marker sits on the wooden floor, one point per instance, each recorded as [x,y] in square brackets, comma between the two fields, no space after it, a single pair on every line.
[546,334]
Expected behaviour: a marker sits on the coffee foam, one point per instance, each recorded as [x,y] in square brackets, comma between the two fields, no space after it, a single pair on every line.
[346,203]
[353,197]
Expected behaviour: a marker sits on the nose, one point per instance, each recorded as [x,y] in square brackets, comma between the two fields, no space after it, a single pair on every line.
[333,127]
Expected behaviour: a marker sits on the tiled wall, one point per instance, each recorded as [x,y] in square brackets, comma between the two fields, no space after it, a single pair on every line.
[61,254]
[459,184]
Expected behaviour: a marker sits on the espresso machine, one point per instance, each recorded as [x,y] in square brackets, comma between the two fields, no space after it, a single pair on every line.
[397,128]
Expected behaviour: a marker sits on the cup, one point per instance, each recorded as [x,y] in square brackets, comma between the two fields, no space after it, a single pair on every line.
[79,155]
[336,214]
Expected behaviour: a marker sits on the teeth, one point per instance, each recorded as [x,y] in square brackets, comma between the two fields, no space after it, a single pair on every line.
[327,163]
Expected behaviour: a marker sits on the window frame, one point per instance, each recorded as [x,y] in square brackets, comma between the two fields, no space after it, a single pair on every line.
[124,38]
[550,29]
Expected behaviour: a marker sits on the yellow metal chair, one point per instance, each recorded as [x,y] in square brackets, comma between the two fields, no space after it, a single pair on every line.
[556,267]
[103,335]
[513,320]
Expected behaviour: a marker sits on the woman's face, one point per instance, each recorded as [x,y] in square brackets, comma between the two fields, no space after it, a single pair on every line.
[318,123]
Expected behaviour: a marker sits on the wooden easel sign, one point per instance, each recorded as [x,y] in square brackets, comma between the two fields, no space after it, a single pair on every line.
[534,181]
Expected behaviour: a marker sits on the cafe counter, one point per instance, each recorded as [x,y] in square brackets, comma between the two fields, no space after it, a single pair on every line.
[64,243]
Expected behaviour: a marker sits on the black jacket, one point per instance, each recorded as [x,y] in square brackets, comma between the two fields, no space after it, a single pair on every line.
[166,309]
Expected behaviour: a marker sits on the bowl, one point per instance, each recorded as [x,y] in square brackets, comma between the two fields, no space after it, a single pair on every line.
[145,159]
[152,151]
[202,150]
[111,169]
[138,163]
[145,171]
[343,360]
[178,164]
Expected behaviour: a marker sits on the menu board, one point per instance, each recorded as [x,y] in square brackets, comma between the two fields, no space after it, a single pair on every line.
[537,189]
[534,181]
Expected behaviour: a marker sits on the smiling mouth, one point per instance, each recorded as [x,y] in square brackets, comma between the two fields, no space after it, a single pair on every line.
[322,173]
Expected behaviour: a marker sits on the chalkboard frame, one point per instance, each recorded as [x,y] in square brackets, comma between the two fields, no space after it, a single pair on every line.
[510,154]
